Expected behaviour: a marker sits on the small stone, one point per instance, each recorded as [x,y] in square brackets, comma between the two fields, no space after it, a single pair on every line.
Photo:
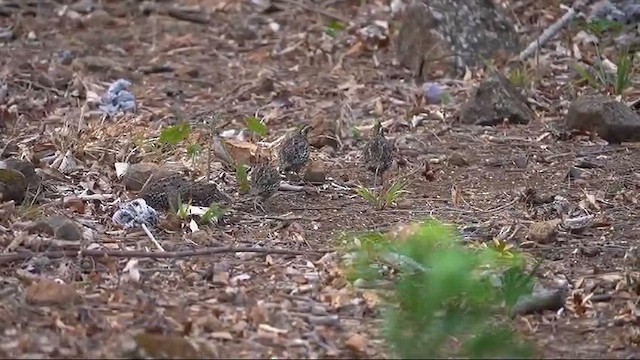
[457,159]
[169,346]
[521,162]
[13,185]
[356,343]
[137,174]
[316,173]
[590,251]
[544,232]
[612,120]
[64,228]
[48,292]
[329,150]
[495,100]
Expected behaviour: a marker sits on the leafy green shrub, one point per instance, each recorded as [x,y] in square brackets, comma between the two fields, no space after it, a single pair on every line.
[447,298]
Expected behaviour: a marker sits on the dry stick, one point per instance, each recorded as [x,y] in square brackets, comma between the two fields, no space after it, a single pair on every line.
[550,32]
[7,258]
[316,9]
[152,238]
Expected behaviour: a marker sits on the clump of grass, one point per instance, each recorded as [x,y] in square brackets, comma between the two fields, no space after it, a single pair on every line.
[521,77]
[599,76]
[213,215]
[447,298]
[386,196]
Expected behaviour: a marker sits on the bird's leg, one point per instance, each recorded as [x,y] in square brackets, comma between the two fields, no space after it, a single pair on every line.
[375,179]
[257,205]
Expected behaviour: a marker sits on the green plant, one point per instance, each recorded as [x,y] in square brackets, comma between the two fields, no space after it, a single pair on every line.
[175,134]
[599,75]
[256,126]
[386,196]
[599,27]
[183,210]
[520,77]
[193,151]
[213,215]
[242,178]
[334,28]
[447,297]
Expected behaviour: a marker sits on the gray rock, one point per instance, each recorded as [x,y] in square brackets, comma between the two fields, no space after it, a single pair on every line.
[612,120]
[447,35]
[493,101]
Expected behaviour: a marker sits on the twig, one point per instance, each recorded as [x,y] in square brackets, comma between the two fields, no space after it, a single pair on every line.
[152,238]
[550,32]
[7,258]
[316,9]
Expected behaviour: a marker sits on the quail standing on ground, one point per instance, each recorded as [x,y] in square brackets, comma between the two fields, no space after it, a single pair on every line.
[265,181]
[294,152]
[377,154]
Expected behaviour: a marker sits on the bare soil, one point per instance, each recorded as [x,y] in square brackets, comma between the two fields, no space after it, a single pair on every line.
[243,63]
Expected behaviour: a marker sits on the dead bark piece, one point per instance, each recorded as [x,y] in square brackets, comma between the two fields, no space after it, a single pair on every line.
[612,120]
[48,292]
[444,35]
[495,101]
[316,173]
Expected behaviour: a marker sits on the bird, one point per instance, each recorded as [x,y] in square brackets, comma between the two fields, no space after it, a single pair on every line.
[166,193]
[377,153]
[294,152]
[265,181]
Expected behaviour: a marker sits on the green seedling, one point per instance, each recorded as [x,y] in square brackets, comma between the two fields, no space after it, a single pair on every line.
[385,197]
[256,126]
[242,178]
[213,215]
[175,134]
[449,304]
[334,28]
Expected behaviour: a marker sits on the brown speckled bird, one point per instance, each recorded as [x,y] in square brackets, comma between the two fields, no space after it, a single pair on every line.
[294,152]
[377,154]
[163,193]
[265,181]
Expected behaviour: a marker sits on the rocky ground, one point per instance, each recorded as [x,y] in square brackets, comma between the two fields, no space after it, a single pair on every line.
[284,65]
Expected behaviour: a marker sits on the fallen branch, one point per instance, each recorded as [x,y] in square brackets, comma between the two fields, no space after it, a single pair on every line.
[548,33]
[8,258]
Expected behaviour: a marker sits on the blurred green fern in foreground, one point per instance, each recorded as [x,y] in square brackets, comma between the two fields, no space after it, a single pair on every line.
[447,299]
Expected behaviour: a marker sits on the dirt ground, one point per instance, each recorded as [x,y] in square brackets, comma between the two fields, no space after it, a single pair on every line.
[281,66]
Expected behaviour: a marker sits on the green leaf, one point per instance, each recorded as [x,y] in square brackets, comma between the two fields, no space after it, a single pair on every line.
[183,209]
[334,28]
[256,126]
[242,178]
[175,134]
[355,133]
[213,215]
[455,296]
